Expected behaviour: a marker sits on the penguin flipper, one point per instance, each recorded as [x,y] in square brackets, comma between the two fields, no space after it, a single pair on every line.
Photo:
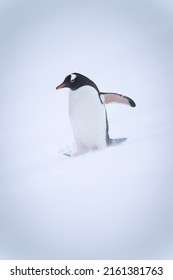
[109,97]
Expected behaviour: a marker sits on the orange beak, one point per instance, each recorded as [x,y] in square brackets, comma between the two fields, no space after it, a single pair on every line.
[61,86]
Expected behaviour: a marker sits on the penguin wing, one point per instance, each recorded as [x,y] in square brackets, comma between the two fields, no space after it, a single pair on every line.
[109,97]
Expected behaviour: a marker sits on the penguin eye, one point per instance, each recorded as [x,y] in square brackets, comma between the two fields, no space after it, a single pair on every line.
[73,78]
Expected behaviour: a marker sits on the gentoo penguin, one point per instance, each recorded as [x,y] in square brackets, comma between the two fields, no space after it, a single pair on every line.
[88,114]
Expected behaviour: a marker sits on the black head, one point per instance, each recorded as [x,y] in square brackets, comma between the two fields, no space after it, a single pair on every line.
[75,81]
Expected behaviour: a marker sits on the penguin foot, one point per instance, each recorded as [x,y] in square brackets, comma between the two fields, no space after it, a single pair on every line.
[67,154]
[72,154]
[68,151]
[74,151]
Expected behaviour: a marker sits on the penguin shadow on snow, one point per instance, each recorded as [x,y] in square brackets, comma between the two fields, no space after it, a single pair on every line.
[88,115]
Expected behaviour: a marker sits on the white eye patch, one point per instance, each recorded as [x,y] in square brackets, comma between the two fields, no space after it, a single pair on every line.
[73,77]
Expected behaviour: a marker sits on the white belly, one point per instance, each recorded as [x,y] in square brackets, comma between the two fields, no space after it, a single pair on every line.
[88,118]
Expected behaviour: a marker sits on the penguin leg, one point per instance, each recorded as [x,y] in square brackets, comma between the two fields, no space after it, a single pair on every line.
[100,142]
[80,149]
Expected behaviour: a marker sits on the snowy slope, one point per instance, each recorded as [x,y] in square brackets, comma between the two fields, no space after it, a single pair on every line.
[110,204]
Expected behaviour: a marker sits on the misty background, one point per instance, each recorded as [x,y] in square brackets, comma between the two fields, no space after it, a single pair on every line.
[111,204]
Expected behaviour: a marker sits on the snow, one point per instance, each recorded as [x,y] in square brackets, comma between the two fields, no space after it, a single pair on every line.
[111,204]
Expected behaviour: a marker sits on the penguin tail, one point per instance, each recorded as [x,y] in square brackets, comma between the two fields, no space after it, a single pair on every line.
[116,141]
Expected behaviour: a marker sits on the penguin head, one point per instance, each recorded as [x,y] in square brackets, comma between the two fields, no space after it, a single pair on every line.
[75,81]
[69,82]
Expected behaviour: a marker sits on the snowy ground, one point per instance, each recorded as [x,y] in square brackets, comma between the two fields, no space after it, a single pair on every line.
[111,204]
